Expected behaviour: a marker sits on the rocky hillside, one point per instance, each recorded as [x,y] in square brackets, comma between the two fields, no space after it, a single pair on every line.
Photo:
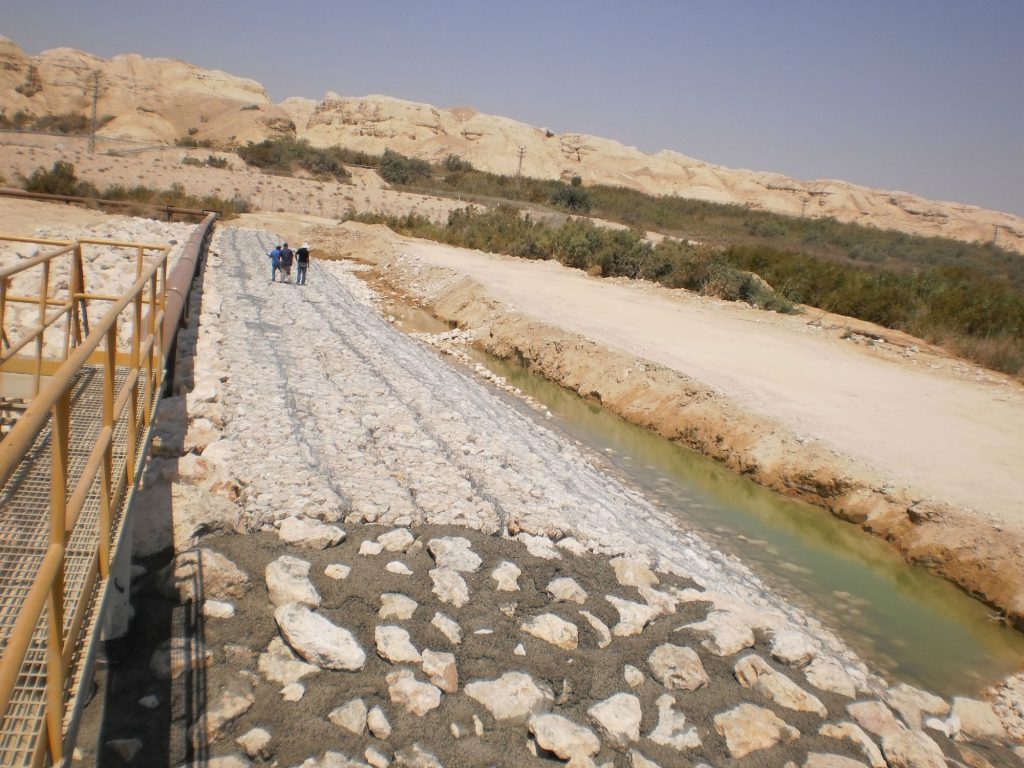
[162,100]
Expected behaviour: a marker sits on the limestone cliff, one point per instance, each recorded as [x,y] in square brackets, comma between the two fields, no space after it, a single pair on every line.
[162,100]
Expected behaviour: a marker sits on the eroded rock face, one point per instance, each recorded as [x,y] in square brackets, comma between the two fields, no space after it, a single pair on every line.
[978,721]
[317,640]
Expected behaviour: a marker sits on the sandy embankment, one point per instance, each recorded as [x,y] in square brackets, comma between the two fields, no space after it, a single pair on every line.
[920,448]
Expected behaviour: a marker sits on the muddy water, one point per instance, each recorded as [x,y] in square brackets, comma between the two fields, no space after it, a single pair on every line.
[908,624]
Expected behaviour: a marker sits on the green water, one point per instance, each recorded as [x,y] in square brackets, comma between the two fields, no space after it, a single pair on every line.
[909,625]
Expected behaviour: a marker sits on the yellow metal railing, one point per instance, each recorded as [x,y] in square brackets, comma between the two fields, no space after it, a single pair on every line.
[125,347]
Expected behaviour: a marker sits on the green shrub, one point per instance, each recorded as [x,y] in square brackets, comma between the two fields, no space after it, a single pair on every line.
[286,155]
[59,180]
[396,168]
[572,196]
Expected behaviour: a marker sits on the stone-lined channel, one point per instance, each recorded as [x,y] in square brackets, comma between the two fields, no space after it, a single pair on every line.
[907,623]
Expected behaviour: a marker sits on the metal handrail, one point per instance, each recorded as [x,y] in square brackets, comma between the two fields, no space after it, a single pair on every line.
[134,402]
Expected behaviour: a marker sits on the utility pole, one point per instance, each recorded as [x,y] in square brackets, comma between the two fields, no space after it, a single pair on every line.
[519,170]
[995,234]
[95,98]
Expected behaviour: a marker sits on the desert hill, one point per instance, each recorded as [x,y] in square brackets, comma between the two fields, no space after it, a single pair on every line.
[163,100]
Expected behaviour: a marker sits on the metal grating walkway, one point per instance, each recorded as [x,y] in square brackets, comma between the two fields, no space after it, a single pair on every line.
[24,538]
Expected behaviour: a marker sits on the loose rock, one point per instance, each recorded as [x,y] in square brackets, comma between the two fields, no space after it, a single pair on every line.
[566,589]
[454,553]
[406,691]
[564,737]
[507,575]
[677,667]
[671,730]
[288,582]
[618,719]
[513,696]
[440,670]
[394,605]
[312,534]
[447,627]
[633,573]
[754,672]
[449,587]
[394,645]
[317,640]
[748,728]
[554,630]
[350,716]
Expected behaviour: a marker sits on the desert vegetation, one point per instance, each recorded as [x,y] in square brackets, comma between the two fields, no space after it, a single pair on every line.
[72,124]
[600,251]
[968,297]
[287,156]
[61,179]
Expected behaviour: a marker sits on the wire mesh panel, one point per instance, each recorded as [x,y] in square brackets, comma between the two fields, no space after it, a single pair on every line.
[24,539]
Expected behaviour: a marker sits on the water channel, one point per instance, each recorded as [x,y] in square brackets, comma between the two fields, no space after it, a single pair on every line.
[908,624]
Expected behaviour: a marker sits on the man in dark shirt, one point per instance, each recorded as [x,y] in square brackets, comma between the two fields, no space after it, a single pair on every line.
[286,262]
[302,262]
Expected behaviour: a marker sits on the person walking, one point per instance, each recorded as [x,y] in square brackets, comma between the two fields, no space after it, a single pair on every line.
[302,264]
[275,263]
[286,262]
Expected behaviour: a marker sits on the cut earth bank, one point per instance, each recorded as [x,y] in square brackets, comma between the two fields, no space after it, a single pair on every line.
[882,430]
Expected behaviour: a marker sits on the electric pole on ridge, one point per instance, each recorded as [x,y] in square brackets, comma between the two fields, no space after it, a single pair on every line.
[519,170]
[95,98]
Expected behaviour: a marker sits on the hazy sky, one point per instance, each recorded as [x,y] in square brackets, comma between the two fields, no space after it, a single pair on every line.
[925,96]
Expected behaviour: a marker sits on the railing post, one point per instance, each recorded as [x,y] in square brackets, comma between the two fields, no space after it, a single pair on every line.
[133,414]
[55,672]
[44,289]
[3,313]
[83,308]
[107,470]
[77,290]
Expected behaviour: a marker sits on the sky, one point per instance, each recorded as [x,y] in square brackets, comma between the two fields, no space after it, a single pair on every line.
[923,96]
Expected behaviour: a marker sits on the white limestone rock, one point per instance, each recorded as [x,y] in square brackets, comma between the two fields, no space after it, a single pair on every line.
[203,574]
[377,723]
[293,692]
[539,546]
[449,587]
[565,738]
[350,716]
[225,708]
[513,696]
[218,609]
[854,733]
[874,717]
[398,540]
[398,567]
[279,664]
[633,676]
[507,577]
[337,571]
[312,534]
[369,548]
[633,617]
[755,673]
[396,606]
[455,554]
[604,636]
[394,645]
[415,697]
[829,675]
[978,721]
[727,632]
[566,589]
[671,730]
[911,704]
[662,602]
[440,670]
[633,573]
[748,728]
[677,667]
[554,630]
[793,647]
[447,627]
[376,758]
[288,581]
[317,640]
[255,743]
[911,749]
[618,719]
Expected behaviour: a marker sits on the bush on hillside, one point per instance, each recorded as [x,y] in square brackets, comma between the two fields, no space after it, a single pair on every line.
[396,168]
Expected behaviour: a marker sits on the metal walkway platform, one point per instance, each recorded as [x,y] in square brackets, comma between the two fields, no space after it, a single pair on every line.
[79,408]
[24,542]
